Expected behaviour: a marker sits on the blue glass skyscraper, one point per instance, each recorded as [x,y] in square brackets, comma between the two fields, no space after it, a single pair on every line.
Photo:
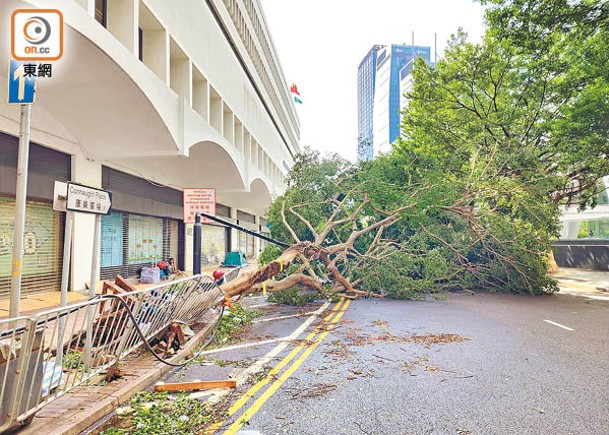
[386,63]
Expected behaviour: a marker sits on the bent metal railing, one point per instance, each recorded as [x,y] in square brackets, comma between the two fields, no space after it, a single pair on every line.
[45,355]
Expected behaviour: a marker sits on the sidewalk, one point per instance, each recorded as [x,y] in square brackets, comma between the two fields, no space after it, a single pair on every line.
[40,301]
[86,404]
[592,280]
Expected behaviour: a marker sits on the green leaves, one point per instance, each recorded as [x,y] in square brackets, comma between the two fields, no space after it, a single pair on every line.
[495,136]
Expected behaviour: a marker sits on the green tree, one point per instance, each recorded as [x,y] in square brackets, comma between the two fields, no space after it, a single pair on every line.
[496,136]
[565,43]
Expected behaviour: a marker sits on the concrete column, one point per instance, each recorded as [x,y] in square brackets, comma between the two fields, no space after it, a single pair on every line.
[89,173]
[88,5]
[188,266]
[155,48]
[569,230]
[123,22]
[234,234]
[257,248]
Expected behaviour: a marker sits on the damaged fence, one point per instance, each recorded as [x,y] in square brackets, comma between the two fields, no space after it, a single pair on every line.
[45,355]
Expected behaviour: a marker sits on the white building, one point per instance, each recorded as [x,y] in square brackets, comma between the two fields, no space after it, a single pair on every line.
[150,97]
[591,223]
[380,117]
[393,63]
[406,84]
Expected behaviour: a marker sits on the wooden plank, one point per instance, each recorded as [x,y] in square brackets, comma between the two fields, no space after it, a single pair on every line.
[124,284]
[195,385]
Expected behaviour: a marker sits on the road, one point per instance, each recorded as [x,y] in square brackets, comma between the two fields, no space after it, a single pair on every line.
[470,364]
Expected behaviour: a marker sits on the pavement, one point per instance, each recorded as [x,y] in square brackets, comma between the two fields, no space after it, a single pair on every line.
[82,407]
[592,280]
[86,404]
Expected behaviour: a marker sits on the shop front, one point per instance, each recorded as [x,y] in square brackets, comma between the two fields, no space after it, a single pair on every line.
[144,226]
[215,239]
[44,227]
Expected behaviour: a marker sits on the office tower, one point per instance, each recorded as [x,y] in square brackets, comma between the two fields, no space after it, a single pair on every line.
[379,96]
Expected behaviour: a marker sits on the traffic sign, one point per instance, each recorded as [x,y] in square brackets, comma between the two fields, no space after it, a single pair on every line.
[21,84]
[88,199]
[196,200]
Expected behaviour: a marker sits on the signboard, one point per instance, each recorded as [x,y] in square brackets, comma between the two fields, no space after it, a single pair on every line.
[21,83]
[37,34]
[88,199]
[196,200]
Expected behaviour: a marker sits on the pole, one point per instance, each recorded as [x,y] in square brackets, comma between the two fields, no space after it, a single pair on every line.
[65,277]
[20,202]
[92,288]
[244,230]
[196,246]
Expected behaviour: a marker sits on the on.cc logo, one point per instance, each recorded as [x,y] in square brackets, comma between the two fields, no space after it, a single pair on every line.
[37,34]
[37,30]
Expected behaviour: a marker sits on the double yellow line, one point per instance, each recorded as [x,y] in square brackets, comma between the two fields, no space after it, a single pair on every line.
[310,343]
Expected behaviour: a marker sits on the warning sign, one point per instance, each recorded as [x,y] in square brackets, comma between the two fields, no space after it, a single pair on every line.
[197,200]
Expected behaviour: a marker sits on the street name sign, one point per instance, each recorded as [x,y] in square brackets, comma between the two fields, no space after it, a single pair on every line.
[88,199]
[21,87]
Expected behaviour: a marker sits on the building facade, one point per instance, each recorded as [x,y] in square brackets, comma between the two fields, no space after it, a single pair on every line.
[149,98]
[366,76]
[590,223]
[406,83]
[387,98]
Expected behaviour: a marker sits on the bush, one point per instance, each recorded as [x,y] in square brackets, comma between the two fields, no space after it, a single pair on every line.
[233,324]
[268,254]
[293,297]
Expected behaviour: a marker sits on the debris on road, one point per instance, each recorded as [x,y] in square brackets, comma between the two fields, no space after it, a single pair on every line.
[316,390]
[380,323]
[194,385]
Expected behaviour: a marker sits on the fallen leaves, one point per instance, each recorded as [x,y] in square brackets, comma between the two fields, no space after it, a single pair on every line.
[429,339]
[316,390]
[380,323]
[354,337]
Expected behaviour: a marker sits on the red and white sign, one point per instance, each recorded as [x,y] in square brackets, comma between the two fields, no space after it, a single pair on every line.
[197,200]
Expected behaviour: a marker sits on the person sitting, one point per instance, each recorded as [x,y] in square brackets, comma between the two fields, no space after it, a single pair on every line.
[173,268]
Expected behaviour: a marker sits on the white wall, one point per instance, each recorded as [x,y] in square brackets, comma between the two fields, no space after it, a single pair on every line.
[381,108]
[105,107]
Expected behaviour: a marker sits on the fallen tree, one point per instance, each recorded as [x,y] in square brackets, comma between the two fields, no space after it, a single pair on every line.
[306,252]
[380,229]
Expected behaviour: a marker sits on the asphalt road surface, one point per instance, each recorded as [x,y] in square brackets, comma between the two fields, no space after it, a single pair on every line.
[470,364]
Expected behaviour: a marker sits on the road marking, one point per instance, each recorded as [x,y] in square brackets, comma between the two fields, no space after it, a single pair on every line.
[559,325]
[271,375]
[288,316]
[597,298]
[249,413]
[290,337]
[245,345]
[258,365]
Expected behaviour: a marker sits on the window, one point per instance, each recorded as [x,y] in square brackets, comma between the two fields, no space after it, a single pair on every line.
[101,12]
[140,44]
